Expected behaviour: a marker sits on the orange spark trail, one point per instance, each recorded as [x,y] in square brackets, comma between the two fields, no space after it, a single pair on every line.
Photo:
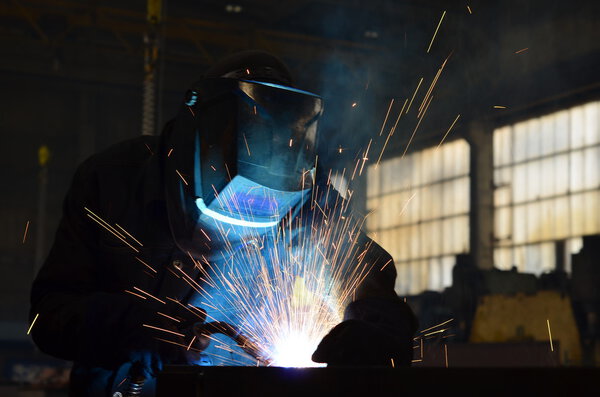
[436,30]
[127,233]
[25,234]
[33,322]
[133,293]
[550,335]
[246,142]
[446,354]
[169,317]
[522,50]
[447,132]
[163,330]
[150,295]
[414,95]
[392,130]
[109,228]
[386,117]
[182,178]
[437,325]
[366,157]
[145,264]
[416,128]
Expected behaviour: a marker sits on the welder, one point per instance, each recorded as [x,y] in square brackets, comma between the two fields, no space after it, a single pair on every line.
[145,211]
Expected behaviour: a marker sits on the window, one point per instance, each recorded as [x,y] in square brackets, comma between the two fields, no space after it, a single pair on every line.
[547,187]
[419,213]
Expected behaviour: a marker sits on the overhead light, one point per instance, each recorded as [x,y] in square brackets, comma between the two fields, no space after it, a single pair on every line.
[233,8]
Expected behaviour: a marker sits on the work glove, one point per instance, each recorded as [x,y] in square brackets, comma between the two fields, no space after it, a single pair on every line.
[165,340]
[375,332]
[359,343]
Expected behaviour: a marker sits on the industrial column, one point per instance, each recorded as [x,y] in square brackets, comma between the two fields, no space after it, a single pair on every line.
[152,40]
[481,225]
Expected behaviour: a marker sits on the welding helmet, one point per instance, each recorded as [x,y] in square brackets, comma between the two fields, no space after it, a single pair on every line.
[241,150]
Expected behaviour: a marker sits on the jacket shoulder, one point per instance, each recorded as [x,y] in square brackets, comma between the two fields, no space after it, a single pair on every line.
[130,152]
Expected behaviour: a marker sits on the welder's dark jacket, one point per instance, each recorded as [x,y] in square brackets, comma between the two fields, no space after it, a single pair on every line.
[84,314]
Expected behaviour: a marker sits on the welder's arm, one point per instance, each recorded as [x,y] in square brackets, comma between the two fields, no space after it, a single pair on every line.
[80,318]
[378,326]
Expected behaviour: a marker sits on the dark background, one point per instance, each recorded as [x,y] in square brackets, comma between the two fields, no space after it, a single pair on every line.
[71,75]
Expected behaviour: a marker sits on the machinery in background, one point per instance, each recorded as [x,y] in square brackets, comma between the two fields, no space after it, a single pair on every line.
[517,311]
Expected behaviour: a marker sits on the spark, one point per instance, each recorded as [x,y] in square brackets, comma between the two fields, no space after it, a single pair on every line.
[213,168]
[169,317]
[439,331]
[133,293]
[291,141]
[437,325]
[150,295]
[148,147]
[414,94]
[109,228]
[436,30]
[33,322]
[550,335]
[386,117]
[354,104]
[432,85]
[25,233]
[191,111]
[365,157]
[340,149]
[404,209]
[255,110]
[205,235]
[127,233]
[392,130]
[386,263]
[163,330]
[522,50]
[469,8]
[393,366]
[247,71]
[447,132]
[415,130]
[446,354]
[170,151]
[247,147]
[191,342]
[182,178]
[145,264]
[499,107]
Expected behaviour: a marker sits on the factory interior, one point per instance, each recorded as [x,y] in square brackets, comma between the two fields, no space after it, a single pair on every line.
[465,133]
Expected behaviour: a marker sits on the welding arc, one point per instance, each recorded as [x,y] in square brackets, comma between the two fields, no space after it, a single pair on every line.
[204,330]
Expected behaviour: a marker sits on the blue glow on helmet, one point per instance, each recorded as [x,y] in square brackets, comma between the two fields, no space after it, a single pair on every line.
[283,87]
[233,221]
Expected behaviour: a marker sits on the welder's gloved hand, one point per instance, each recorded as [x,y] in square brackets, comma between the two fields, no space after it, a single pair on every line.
[153,348]
[359,343]
[375,331]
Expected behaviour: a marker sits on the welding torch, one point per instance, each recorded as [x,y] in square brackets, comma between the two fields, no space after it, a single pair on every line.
[202,331]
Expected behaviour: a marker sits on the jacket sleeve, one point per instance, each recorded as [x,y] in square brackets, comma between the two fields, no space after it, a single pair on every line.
[78,319]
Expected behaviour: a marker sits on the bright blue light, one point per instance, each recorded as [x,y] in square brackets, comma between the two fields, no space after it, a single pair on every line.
[283,87]
[227,219]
